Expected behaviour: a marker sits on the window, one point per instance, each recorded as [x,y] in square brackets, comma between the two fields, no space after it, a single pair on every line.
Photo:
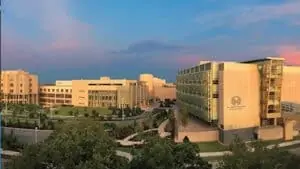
[30,90]
[21,91]
[21,85]
[62,90]
[67,90]
[11,91]
[30,85]
[53,90]
[11,85]
[215,95]
[57,90]
[48,90]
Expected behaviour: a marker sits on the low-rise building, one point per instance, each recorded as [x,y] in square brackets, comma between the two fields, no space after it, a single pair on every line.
[59,93]
[159,88]
[104,92]
[18,86]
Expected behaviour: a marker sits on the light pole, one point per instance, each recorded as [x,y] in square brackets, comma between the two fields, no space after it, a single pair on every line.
[122,107]
[39,119]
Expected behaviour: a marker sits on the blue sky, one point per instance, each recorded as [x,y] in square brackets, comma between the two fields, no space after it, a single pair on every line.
[71,39]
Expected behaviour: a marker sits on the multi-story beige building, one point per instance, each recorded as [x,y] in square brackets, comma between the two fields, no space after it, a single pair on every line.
[104,92]
[18,86]
[59,93]
[166,91]
[241,98]
[159,88]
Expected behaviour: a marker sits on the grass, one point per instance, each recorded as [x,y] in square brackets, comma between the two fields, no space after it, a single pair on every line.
[65,110]
[144,136]
[212,147]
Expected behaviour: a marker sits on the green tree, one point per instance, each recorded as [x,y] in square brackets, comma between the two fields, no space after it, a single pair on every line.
[95,114]
[56,112]
[76,113]
[259,158]
[70,113]
[164,154]
[76,145]
[184,116]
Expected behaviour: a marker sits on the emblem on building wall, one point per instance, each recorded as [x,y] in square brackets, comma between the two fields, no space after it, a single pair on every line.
[236,101]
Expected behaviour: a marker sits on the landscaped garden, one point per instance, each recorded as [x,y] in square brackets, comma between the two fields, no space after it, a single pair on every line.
[73,111]
[212,147]
[145,136]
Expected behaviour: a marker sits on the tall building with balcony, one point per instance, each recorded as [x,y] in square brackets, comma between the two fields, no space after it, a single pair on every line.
[241,98]
[18,86]
[197,90]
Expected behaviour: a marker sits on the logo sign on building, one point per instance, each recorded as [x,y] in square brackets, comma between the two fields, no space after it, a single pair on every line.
[236,103]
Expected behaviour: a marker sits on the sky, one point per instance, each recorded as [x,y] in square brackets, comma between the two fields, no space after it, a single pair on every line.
[74,39]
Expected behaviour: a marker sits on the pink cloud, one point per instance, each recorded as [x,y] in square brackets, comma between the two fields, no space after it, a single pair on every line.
[291,54]
[62,31]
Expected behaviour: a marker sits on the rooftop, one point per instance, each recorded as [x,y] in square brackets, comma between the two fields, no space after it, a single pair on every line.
[263,59]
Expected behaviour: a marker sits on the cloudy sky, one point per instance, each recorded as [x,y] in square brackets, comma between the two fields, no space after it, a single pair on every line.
[71,39]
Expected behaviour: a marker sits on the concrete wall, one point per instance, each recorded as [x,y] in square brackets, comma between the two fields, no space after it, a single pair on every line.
[227,136]
[163,93]
[239,101]
[291,84]
[27,136]
[270,133]
[199,136]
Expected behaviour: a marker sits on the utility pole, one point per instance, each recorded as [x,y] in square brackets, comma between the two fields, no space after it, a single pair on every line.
[35,134]
[122,107]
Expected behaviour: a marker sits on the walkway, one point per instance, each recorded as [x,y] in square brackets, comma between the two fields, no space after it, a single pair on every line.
[124,154]
[222,153]
[126,141]
[161,129]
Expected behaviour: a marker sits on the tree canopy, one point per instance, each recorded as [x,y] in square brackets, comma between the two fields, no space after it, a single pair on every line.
[79,145]
[259,158]
[164,154]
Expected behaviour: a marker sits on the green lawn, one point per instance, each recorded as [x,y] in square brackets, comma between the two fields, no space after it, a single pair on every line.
[82,110]
[212,147]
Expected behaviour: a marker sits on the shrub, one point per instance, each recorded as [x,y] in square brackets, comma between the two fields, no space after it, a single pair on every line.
[101,118]
[56,112]
[60,121]
[86,114]
[19,125]
[70,113]
[10,123]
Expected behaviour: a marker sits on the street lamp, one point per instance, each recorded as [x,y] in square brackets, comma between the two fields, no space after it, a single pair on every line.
[122,107]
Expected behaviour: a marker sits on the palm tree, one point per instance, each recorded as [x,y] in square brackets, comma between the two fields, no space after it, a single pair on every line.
[76,113]
[95,114]
[184,116]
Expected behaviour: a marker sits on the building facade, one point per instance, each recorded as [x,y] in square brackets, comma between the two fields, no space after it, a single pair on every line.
[242,99]
[167,91]
[104,92]
[18,86]
[196,90]
[159,88]
[59,93]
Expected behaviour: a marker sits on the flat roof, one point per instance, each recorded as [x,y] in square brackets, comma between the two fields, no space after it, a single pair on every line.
[263,59]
